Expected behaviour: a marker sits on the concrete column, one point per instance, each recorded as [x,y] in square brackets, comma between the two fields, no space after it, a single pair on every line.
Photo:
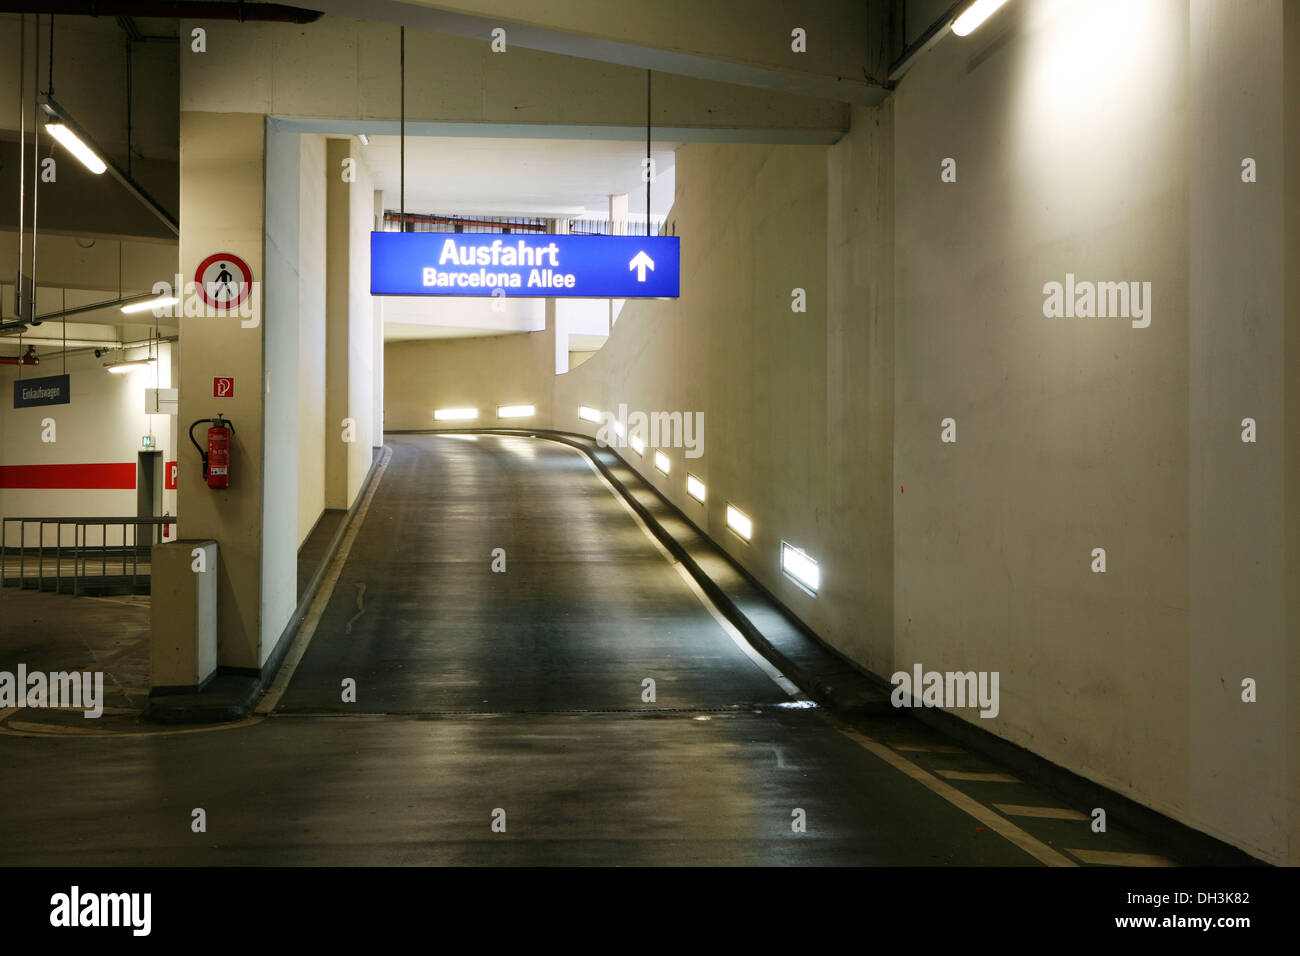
[349,321]
[222,196]
[377,427]
[283,373]
[377,413]
[311,333]
[860,388]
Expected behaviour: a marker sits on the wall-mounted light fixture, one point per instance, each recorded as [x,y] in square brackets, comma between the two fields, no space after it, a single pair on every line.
[73,143]
[974,15]
[121,368]
[161,302]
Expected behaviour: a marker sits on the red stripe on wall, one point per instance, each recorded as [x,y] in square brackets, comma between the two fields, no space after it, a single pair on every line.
[110,475]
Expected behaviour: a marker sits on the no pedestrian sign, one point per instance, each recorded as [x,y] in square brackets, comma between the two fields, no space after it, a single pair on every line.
[223,281]
[484,264]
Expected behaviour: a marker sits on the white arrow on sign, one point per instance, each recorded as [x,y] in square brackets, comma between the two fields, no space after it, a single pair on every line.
[640,262]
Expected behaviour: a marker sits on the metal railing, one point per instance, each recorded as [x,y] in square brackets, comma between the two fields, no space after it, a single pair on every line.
[98,567]
[435,222]
[621,227]
[439,222]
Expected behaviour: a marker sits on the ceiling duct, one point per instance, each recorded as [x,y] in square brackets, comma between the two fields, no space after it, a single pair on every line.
[168,9]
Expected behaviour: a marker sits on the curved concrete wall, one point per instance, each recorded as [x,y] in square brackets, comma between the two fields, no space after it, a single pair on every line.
[1083,433]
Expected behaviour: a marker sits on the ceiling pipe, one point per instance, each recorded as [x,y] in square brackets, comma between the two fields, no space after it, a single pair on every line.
[72,343]
[168,9]
[92,307]
[143,343]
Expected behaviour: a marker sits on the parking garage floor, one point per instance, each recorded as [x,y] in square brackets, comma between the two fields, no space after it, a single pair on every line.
[518,697]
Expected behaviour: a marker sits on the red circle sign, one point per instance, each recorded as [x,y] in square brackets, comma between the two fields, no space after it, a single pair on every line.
[223,281]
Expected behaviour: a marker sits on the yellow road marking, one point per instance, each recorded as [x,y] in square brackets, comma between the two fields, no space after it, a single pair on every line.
[1047,813]
[997,823]
[22,728]
[1117,858]
[970,775]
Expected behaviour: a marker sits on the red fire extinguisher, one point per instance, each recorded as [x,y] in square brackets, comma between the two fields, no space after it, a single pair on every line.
[216,459]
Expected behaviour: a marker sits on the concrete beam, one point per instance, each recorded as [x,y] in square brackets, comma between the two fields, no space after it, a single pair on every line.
[347,70]
[747,44]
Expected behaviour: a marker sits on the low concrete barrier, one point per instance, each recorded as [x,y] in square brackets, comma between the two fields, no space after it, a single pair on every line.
[183,649]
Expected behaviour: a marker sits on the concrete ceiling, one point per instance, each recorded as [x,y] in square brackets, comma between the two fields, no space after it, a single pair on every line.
[533,177]
[745,42]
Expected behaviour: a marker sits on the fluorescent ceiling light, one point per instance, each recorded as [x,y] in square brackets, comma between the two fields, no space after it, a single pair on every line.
[515,411]
[739,522]
[119,368]
[974,15]
[799,567]
[588,414]
[73,144]
[662,462]
[695,488]
[637,444]
[454,414]
[160,302]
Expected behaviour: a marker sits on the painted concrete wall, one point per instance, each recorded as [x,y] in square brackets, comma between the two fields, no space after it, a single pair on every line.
[75,262]
[1102,139]
[103,423]
[1237,544]
[481,373]
[1291,490]
[476,316]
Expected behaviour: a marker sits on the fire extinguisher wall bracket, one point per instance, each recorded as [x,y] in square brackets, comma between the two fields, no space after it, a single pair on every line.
[216,458]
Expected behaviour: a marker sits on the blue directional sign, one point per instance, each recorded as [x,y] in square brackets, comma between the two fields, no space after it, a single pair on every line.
[485,264]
